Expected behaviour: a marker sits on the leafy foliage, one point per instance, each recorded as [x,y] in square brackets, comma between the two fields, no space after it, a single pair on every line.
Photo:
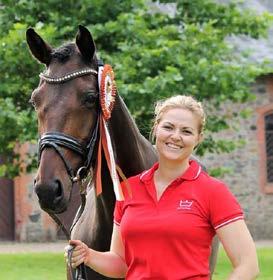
[155,55]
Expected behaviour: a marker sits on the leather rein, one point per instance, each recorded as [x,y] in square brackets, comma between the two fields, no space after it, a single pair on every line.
[57,141]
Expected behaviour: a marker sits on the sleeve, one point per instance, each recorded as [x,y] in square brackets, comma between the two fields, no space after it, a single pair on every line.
[118,212]
[224,207]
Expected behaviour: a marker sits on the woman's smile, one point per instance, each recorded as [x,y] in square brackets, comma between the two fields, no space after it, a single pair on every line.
[173,146]
[177,134]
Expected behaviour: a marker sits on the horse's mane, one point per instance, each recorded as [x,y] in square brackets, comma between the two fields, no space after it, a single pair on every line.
[125,112]
[130,136]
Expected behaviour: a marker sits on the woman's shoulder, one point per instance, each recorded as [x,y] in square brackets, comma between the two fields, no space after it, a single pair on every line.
[214,190]
[138,178]
[211,182]
[145,175]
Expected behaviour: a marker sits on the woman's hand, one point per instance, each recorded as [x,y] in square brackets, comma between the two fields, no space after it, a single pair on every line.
[80,253]
[110,264]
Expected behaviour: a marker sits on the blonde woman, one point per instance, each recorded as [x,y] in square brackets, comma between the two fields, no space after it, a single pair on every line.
[165,230]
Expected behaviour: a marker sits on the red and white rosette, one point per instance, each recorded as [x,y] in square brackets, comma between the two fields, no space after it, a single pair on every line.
[108,90]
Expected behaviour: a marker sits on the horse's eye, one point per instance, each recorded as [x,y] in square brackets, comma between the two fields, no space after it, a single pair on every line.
[90,99]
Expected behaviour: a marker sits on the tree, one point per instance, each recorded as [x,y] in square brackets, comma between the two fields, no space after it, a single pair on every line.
[154,55]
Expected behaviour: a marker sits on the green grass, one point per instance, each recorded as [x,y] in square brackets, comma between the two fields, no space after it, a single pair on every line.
[32,266]
[265,256]
[48,266]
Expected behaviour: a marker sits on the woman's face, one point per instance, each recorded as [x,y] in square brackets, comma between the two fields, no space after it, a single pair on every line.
[177,133]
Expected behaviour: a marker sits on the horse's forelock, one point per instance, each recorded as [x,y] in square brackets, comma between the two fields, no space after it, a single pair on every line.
[64,52]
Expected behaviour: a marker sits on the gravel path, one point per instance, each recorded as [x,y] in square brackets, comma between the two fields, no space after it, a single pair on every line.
[58,247]
[15,247]
[264,243]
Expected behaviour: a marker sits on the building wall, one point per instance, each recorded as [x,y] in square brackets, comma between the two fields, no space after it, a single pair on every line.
[31,223]
[246,180]
[6,208]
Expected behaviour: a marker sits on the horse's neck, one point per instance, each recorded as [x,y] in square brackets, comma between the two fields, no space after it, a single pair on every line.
[133,152]
[133,155]
[129,147]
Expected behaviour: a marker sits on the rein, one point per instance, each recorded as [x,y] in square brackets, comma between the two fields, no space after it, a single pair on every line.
[57,141]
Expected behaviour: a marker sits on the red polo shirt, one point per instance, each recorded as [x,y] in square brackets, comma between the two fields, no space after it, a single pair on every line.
[170,239]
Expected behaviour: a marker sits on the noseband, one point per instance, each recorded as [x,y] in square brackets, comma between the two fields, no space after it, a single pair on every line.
[57,140]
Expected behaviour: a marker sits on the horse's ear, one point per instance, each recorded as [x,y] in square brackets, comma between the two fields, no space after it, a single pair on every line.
[85,43]
[38,47]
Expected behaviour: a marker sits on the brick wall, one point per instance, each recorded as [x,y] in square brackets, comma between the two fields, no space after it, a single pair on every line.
[246,180]
[31,223]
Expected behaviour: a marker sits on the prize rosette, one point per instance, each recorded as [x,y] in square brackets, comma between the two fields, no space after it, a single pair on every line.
[108,90]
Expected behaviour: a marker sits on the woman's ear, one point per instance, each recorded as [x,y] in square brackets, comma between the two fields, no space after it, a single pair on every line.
[200,138]
[153,133]
[199,141]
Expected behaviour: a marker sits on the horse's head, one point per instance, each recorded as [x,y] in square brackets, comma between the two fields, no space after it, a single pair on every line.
[67,104]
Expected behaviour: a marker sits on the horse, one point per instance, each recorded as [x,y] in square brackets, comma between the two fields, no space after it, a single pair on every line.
[67,105]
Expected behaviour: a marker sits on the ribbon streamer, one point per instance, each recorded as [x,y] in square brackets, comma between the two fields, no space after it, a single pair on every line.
[107,98]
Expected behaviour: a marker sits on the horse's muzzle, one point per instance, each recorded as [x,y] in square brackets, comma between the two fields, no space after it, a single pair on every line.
[51,196]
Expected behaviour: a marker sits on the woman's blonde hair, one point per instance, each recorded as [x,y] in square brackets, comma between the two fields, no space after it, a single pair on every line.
[179,101]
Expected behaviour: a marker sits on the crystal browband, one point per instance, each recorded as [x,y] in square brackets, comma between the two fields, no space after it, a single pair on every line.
[67,77]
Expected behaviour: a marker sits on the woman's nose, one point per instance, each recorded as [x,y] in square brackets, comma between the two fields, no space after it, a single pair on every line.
[176,135]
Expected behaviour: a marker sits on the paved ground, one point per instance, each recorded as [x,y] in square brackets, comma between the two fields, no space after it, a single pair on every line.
[14,247]
[58,247]
[264,243]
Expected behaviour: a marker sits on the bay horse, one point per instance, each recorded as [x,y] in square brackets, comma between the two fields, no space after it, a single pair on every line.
[67,105]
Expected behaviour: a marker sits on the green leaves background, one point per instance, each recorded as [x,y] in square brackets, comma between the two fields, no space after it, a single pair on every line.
[154,55]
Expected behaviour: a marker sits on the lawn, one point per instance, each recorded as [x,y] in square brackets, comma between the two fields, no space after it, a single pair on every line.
[48,266]
[265,256]
[35,266]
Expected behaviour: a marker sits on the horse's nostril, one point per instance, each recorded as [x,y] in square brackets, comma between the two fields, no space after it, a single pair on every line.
[40,197]
[59,189]
[50,194]
[58,192]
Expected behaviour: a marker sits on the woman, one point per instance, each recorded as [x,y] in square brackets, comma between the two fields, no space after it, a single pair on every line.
[165,230]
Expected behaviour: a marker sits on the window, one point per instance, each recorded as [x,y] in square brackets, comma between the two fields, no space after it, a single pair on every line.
[265,144]
[268,121]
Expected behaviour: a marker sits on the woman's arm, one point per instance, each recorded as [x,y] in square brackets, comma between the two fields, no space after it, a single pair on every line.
[240,249]
[110,264]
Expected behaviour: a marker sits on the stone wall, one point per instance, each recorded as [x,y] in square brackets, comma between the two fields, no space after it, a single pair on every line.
[246,163]
[245,179]
[31,223]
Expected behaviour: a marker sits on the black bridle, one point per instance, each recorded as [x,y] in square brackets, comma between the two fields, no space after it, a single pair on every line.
[57,141]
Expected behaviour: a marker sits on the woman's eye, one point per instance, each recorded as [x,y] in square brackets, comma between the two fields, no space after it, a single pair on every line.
[186,132]
[167,127]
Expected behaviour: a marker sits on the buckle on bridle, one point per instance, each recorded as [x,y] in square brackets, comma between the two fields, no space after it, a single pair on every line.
[81,174]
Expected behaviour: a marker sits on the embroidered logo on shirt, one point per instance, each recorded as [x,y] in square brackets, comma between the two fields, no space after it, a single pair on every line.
[185,204]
